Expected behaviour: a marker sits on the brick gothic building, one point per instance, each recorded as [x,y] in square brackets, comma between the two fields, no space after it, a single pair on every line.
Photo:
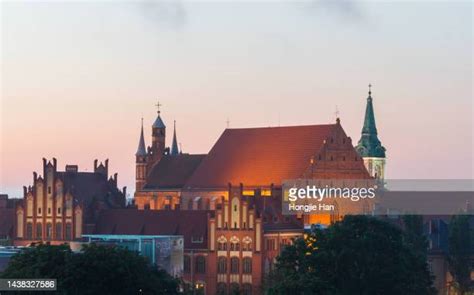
[239,181]
[62,205]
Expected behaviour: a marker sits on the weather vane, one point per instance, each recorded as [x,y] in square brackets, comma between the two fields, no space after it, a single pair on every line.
[370,89]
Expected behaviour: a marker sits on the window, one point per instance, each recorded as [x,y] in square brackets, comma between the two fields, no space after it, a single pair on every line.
[247,265]
[187,264]
[271,244]
[68,231]
[234,246]
[222,265]
[59,210]
[200,264]
[49,211]
[39,210]
[39,231]
[59,231]
[234,265]
[49,231]
[247,246]
[222,246]
[235,208]
[49,189]
[29,231]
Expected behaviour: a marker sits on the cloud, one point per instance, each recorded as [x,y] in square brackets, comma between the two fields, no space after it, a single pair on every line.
[170,14]
[347,10]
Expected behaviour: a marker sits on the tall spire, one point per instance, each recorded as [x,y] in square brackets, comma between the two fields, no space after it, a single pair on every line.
[174,146]
[141,151]
[369,145]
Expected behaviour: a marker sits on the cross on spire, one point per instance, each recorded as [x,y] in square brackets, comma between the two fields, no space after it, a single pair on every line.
[158,105]
[336,113]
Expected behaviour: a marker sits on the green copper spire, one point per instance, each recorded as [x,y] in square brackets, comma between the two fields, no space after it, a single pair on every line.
[369,145]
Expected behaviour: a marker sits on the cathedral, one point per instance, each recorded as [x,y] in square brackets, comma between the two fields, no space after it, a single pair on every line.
[238,187]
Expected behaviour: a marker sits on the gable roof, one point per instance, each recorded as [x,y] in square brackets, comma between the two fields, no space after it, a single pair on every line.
[260,156]
[191,224]
[172,171]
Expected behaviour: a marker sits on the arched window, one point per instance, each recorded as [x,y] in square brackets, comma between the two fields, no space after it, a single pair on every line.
[247,265]
[222,265]
[49,231]
[29,231]
[200,264]
[187,264]
[68,231]
[39,231]
[222,246]
[234,246]
[59,231]
[234,265]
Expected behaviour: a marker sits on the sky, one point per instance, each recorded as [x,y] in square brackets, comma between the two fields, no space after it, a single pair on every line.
[76,78]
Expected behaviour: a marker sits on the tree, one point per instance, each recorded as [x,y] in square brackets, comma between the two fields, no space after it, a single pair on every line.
[459,253]
[414,234]
[358,255]
[94,270]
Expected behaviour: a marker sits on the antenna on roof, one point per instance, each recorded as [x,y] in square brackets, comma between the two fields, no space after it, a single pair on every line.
[227,123]
[336,113]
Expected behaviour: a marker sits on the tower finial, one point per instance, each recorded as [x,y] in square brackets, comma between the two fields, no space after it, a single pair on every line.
[158,105]
[370,89]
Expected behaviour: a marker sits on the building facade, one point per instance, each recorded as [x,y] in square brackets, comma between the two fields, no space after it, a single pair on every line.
[240,182]
[61,206]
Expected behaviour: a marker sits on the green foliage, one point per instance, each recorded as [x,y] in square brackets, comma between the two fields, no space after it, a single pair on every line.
[460,247]
[94,270]
[358,255]
[414,235]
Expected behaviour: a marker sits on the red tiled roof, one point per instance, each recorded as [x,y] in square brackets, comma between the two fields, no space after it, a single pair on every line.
[172,171]
[191,224]
[259,156]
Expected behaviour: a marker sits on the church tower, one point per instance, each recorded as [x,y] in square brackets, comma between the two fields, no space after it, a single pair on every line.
[158,131]
[140,163]
[369,147]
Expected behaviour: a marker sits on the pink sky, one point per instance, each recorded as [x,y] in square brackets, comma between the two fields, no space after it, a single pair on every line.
[76,90]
